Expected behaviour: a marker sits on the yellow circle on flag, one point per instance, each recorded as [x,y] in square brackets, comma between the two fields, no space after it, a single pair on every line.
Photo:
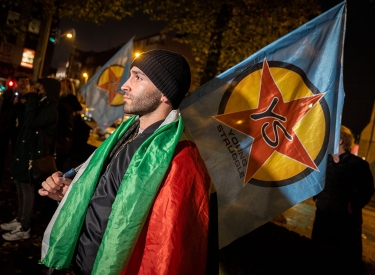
[311,129]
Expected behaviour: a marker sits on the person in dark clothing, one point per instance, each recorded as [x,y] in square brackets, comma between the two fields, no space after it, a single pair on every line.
[36,139]
[349,186]
[143,201]
[12,110]
[81,134]
[68,109]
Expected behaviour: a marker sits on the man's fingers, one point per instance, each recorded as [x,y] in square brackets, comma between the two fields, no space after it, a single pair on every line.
[52,184]
[58,180]
[55,186]
[54,196]
[43,192]
[49,186]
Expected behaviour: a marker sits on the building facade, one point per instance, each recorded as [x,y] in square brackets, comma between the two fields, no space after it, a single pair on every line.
[23,31]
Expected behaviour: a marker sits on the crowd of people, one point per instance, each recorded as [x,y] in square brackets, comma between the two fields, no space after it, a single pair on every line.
[34,121]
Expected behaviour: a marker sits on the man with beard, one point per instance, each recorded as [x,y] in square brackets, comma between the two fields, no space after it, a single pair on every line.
[141,203]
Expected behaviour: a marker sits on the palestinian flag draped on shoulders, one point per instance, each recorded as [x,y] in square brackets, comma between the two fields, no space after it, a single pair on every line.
[264,127]
[154,187]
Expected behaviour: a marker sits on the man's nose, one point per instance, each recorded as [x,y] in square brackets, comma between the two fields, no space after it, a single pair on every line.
[125,87]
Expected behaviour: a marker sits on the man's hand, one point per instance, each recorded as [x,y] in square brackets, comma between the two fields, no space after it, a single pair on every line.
[55,186]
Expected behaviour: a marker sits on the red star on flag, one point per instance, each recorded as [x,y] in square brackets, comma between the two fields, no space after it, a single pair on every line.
[111,85]
[271,125]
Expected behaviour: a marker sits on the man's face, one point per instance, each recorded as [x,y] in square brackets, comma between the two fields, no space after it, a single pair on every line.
[23,83]
[140,95]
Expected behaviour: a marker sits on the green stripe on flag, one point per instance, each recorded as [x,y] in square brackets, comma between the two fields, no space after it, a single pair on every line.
[135,198]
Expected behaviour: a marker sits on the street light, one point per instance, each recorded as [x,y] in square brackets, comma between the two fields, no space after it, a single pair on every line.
[71,35]
[86,76]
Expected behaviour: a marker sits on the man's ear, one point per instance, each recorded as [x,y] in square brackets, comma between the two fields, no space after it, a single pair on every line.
[340,142]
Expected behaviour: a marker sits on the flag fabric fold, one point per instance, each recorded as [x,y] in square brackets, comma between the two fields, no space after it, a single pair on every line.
[264,127]
[102,93]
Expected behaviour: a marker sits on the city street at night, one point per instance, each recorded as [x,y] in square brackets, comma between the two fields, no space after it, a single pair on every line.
[183,126]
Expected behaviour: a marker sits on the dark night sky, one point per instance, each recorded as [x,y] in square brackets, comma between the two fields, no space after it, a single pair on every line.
[359,59]
[112,33]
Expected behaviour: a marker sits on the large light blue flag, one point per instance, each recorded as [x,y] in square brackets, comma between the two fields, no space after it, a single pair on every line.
[264,127]
[102,92]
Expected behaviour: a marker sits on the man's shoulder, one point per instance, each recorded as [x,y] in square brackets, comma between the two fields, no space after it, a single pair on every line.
[188,161]
[357,160]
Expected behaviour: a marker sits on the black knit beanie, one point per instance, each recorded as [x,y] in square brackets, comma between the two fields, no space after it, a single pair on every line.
[169,71]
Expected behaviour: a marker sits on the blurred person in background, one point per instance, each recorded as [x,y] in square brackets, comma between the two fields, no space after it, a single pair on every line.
[70,130]
[36,139]
[348,188]
[12,113]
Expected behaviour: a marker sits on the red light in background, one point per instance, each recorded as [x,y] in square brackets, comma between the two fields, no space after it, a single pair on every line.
[10,84]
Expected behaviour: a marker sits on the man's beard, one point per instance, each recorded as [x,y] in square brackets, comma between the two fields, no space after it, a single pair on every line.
[144,104]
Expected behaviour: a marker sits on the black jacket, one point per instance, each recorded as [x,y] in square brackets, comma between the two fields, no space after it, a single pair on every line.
[349,181]
[38,132]
[68,106]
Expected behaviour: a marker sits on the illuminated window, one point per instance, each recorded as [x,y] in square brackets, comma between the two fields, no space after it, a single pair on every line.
[28,58]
